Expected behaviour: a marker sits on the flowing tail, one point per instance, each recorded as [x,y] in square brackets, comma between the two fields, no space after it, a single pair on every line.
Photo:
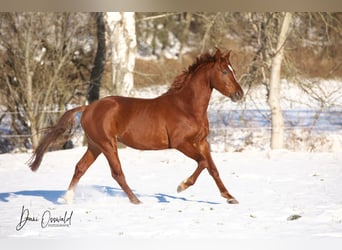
[64,123]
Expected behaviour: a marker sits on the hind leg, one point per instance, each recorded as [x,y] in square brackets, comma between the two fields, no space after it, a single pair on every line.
[81,167]
[110,151]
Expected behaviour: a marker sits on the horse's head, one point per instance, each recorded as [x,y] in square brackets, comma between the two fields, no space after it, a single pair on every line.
[223,77]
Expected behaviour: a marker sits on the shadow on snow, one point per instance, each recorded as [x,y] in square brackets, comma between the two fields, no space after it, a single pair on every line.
[50,195]
[54,195]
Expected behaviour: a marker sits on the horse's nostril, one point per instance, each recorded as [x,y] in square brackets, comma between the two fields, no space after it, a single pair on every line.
[238,95]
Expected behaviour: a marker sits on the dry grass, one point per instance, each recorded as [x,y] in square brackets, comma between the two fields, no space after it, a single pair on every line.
[300,62]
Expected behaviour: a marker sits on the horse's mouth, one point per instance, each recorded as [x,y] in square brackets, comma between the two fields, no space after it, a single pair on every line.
[236,96]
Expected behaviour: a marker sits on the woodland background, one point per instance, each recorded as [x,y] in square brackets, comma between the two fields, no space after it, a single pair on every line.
[50,62]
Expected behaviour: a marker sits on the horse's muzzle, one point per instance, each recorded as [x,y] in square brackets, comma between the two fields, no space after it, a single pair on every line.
[237,96]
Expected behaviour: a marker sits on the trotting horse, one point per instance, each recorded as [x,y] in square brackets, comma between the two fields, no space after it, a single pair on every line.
[177,119]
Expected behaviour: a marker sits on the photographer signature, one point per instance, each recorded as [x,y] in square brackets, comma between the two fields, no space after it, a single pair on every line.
[46,220]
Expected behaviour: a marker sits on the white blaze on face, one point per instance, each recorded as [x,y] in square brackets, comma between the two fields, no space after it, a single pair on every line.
[231,69]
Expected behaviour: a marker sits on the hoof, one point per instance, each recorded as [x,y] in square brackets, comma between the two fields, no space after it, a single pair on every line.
[181,187]
[232,201]
[61,200]
[68,197]
[135,201]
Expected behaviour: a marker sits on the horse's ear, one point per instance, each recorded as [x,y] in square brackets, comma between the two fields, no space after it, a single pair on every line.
[218,55]
[228,54]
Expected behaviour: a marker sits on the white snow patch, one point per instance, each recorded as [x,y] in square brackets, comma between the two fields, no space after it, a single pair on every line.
[270,186]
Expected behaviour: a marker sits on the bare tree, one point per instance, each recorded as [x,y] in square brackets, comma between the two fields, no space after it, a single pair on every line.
[277,135]
[122,43]
[38,51]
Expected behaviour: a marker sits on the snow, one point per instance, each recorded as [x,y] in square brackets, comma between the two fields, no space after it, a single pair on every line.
[282,195]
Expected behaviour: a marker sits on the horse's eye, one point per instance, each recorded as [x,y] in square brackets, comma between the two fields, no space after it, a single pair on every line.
[224,72]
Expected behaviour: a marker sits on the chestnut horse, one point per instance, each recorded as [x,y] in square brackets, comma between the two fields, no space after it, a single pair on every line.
[177,119]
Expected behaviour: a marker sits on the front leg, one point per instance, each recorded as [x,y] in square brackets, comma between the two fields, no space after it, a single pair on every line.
[192,179]
[215,174]
[189,150]
[201,153]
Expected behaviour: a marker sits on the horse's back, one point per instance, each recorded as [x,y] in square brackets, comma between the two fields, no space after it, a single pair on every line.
[138,123]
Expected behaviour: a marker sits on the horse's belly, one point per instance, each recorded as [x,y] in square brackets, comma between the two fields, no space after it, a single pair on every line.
[145,139]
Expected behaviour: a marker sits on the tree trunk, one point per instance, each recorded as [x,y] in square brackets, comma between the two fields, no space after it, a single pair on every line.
[277,136]
[122,41]
[99,61]
[29,86]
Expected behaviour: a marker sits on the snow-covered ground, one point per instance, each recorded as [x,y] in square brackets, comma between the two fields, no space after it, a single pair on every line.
[282,195]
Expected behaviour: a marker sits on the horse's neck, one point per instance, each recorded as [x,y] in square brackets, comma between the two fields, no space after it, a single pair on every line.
[196,94]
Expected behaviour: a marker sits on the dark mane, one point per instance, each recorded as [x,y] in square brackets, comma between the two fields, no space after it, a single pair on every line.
[179,80]
[202,59]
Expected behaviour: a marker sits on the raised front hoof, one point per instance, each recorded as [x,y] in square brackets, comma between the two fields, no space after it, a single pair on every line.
[181,187]
[232,201]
